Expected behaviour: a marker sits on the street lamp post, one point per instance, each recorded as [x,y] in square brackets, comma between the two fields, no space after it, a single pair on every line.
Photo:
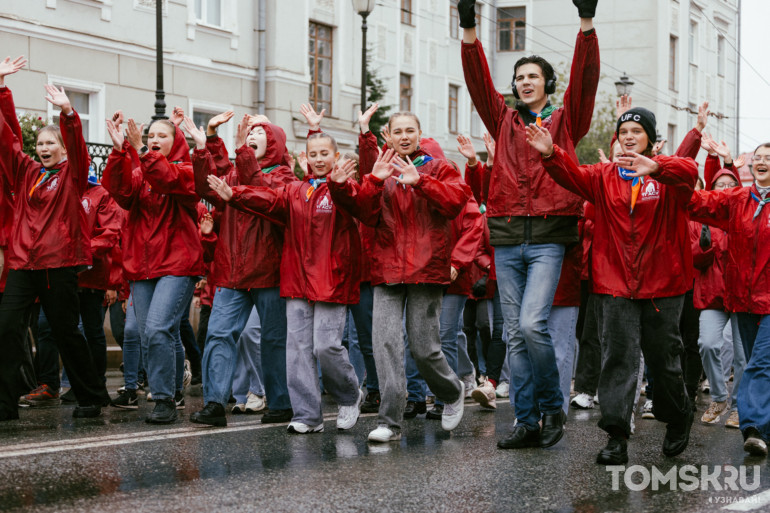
[624,85]
[364,8]
[160,95]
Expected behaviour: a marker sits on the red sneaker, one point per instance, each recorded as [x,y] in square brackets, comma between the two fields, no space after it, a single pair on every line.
[43,395]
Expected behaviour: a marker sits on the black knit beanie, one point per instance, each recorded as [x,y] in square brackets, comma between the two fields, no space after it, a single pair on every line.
[642,116]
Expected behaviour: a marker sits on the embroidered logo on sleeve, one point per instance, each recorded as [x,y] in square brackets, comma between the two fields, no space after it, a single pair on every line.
[87,205]
[650,191]
[325,205]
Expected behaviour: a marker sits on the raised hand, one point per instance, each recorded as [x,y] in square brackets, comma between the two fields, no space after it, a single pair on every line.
[722,150]
[9,67]
[703,116]
[291,161]
[177,115]
[242,132]
[207,224]
[466,149]
[258,119]
[602,157]
[134,134]
[313,118]
[197,134]
[117,118]
[382,166]
[409,174]
[622,105]
[540,139]
[467,13]
[586,8]
[302,160]
[705,142]
[658,146]
[491,148]
[385,134]
[116,134]
[59,98]
[217,120]
[343,170]
[220,187]
[738,162]
[639,164]
[366,117]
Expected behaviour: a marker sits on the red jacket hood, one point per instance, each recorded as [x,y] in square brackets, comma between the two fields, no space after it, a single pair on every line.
[180,151]
[722,172]
[275,154]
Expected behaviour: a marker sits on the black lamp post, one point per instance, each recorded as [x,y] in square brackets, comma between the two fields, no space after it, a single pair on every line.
[624,85]
[364,8]
[160,95]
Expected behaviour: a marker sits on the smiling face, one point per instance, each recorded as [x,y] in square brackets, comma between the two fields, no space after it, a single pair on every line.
[257,140]
[761,166]
[321,156]
[50,148]
[160,137]
[405,135]
[632,137]
[530,84]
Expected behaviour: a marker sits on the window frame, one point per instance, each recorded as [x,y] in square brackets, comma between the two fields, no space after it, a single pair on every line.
[673,68]
[96,105]
[453,109]
[313,99]
[407,13]
[225,131]
[512,29]
[401,92]
[203,19]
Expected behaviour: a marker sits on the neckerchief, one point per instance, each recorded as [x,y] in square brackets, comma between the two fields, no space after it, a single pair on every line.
[762,203]
[268,169]
[636,184]
[547,111]
[313,182]
[483,208]
[44,176]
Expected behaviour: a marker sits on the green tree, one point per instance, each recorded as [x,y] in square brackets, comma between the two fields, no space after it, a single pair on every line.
[376,91]
[30,126]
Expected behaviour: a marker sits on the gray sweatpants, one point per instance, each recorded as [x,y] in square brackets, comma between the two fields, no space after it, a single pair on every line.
[423,309]
[314,335]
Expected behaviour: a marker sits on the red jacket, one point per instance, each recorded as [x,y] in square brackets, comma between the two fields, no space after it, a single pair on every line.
[477,178]
[322,247]
[248,252]
[645,254]
[6,192]
[50,228]
[105,220]
[747,267]
[520,187]
[586,230]
[161,235]
[709,268]
[467,232]
[568,289]
[412,223]
[485,264]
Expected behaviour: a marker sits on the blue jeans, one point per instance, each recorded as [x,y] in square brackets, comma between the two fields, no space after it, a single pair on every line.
[229,315]
[711,343]
[248,369]
[159,305]
[562,326]
[527,276]
[132,348]
[362,315]
[753,396]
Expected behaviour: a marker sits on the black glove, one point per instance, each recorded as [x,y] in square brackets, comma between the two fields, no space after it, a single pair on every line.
[467,11]
[480,287]
[586,8]
[705,238]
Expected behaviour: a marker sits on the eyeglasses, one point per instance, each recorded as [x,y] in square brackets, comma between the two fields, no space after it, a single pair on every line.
[727,185]
[761,158]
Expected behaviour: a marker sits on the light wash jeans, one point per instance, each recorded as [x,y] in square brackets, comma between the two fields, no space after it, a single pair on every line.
[527,276]
[711,344]
[248,368]
[562,325]
[753,396]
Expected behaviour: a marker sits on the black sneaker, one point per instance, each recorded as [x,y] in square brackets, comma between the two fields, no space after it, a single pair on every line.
[164,412]
[68,396]
[753,443]
[85,412]
[179,400]
[436,413]
[371,403]
[414,408]
[277,416]
[615,453]
[127,400]
[213,414]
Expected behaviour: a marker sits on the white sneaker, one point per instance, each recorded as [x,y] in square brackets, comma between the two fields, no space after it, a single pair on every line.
[453,412]
[596,399]
[647,410]
[254,403]
[470,384]
[485,395]
[502,389]
[300,428]
[348,415]
[705,387]
[239,408]
[384,434]
[582,401]
[187,374]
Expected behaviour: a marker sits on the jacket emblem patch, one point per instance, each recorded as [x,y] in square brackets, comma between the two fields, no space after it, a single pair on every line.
[650,191]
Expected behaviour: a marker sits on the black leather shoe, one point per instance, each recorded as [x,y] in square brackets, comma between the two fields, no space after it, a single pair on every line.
[677,436]
[414,408]
[277,416]
[615,453]
[520,438]
[213,414]
[553,429]
[163,413]
[436,412]
[371,403]
[86,412]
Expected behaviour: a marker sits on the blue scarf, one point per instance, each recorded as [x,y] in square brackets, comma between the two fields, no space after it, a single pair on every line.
[762,203]
[313,186]
[636,184]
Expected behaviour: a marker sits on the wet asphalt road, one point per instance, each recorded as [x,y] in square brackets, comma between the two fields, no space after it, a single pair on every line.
[50,462]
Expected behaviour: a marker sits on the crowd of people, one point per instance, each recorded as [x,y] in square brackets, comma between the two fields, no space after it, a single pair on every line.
[390,276]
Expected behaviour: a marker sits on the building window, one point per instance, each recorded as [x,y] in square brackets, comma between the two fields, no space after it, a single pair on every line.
[405,96]
[671,139]
[673,78]
[209,12]
[693,43]
[476,123]
[721,62]
[321,67]
[454,21]
[511,29]
[406,12]
[202,111]
[87,99]
[454,95]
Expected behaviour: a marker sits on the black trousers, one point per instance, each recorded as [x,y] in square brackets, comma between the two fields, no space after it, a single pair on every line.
[589,363]
[692,365]
[58,293]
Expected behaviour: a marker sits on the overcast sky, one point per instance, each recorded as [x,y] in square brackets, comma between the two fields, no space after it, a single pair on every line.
[755,89]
